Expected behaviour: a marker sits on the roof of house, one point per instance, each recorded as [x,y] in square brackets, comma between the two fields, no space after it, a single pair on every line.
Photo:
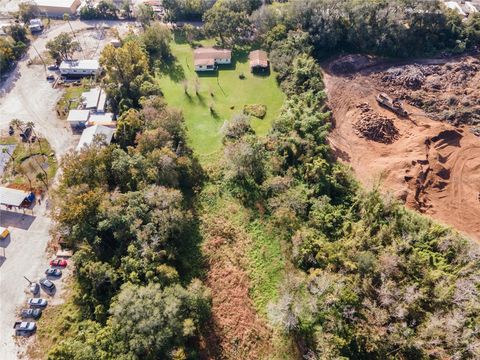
[101,101]
[258,58]
[207,56]
[89,134]
[79,64]
[12,197]
[105,119]
[56,3]
[91,98]
[78,115]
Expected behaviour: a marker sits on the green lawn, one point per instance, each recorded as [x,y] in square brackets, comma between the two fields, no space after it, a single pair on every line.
[230,94]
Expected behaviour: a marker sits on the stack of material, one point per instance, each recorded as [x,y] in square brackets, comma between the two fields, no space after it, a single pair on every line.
[410,77]
[375,127]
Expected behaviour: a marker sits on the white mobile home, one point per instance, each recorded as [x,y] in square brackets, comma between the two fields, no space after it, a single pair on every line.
[78,68]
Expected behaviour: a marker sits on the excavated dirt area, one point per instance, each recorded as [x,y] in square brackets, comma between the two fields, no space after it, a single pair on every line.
[432,165]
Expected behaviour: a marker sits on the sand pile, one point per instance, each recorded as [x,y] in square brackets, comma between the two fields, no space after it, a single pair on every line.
[375,127]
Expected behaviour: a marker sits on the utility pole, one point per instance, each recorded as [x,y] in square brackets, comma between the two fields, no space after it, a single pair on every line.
[40,56]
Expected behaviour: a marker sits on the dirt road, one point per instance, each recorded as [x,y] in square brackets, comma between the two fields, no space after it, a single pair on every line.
[24,255]
[432,166]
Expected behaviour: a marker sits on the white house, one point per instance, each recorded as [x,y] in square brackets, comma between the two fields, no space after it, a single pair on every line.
[77,68]
[78,118]
[93,132]
[207,59]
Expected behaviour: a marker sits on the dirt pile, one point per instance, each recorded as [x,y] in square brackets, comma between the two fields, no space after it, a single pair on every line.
[375,127]
[447,92]
[433,167]
[410,77]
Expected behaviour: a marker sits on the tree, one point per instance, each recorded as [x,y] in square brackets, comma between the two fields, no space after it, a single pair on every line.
[157,39]
[144,14]
[150,322]
[126,70]
[226,24]
[28,11]
[62,47]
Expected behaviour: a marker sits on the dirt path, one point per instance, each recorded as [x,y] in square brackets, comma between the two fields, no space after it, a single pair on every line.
[432,166]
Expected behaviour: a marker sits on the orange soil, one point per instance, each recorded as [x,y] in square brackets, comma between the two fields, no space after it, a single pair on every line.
[433,166]
[236,332]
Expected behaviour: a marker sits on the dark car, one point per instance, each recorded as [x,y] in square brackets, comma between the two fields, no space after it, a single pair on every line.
[24,328]
[50,77]
[34,288]
[58,263]
[31,313]
[47,285]
[53,272]
[37,302]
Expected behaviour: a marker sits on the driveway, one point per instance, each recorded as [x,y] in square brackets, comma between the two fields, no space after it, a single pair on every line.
[23,254]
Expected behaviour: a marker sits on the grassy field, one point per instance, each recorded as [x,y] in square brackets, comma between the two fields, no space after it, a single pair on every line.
[224,91]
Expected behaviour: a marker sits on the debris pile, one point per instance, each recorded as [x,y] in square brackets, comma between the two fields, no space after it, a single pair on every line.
[410,77]
[375,127]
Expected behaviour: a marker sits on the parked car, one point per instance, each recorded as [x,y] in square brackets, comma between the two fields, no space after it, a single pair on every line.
[37,302]
[34,288]
[24,328]
[58,263]
[47,285]
[53,67]
[30,313]
[4,232]
[53,272]
[50,78]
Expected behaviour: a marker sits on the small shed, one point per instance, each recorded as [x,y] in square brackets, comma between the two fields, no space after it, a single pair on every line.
[78,117]
[91,133]
[91,98]
[258,60]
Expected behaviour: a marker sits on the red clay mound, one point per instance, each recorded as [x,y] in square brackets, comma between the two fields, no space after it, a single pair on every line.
[432,166]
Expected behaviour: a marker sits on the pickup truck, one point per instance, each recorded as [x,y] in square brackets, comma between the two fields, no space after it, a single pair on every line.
[24,328]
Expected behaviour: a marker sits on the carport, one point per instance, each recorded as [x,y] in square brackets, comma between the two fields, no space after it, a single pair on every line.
[13,197]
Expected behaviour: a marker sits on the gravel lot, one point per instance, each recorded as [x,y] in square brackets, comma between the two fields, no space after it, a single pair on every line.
[24,255]
[26,95]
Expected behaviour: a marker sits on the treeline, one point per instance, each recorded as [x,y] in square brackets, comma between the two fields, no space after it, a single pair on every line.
[126,209]
[388,28]
[12,47]
[373,280]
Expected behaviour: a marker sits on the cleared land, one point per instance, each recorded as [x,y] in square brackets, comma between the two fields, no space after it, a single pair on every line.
[224,91]
[433,166]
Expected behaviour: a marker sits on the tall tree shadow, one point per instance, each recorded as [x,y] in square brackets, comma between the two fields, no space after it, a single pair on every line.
[173,70]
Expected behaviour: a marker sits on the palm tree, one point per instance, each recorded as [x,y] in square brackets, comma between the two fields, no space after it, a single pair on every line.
[66,18]
[44,176]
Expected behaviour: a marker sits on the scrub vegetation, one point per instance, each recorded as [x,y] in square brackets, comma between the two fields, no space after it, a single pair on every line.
[272,249]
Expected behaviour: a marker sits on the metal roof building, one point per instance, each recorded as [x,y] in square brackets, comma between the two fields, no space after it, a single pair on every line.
[90,133]
[12,197]
[57,8]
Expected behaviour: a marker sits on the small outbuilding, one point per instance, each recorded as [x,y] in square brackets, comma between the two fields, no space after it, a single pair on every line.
[57,8]
[207,59]
[258,60]
[93,132]
[79,68]
[77,118]
[14,198]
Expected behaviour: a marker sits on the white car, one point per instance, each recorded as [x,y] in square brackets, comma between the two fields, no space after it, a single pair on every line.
[37,302]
